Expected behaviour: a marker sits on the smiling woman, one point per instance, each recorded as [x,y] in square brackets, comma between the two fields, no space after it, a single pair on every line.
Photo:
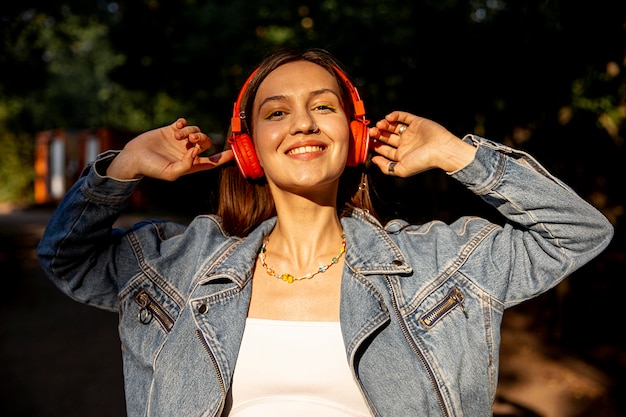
[300,122]
[295,291]
[301,131]
[345,103]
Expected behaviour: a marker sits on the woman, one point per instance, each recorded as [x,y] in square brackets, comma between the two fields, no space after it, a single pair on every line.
[233,314]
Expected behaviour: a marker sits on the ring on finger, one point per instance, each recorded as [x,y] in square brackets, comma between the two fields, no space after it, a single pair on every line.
[391,168]
[401,129]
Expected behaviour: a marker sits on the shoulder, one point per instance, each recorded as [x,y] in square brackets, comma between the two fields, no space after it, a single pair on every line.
[402,232]
[462,229]
[436,245]
[157,236]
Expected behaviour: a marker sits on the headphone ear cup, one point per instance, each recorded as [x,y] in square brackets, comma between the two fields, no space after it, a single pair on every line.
[359,143]
[245,155]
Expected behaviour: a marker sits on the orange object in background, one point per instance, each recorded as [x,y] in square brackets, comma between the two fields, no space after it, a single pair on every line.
[61,154]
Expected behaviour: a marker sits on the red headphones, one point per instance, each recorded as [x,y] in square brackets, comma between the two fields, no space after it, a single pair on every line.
[243,148]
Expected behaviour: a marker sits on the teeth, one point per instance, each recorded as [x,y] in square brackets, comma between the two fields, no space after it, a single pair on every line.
[305,149]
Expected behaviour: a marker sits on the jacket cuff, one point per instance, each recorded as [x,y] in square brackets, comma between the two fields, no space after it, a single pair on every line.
[483,173]
[102,188]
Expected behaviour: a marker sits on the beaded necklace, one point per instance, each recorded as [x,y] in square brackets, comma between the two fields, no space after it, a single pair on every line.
[290,278]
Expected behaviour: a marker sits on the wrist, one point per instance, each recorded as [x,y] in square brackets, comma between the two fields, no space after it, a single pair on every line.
[123,168]
[456,155]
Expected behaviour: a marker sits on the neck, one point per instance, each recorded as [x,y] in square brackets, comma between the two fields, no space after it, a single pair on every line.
[305,238]
[304,217]
[301,233]
[307,229]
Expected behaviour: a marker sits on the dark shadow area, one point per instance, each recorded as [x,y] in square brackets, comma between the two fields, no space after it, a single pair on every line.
[57,357]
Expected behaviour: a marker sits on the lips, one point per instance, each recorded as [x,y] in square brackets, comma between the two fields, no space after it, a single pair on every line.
[305,149]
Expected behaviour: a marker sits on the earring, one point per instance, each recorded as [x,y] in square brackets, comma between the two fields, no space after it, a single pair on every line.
[363,183]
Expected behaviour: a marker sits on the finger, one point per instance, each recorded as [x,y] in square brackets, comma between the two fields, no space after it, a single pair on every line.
[387,128]
[180,123]
[379,132]
[388,151]
[400,117]
[384,125]
[205,163]
[391,168]
[185,164]
[387,166]
[386,140]
[186,132]
[223,157]
[201,139]
[400,128]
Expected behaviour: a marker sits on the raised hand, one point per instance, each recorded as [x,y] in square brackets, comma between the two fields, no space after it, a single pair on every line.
[166,153]
[407,144]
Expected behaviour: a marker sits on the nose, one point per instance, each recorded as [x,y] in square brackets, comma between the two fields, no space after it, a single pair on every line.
[304,123]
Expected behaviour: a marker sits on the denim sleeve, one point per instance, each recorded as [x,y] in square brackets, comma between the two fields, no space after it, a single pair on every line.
[550,230]
[79,249]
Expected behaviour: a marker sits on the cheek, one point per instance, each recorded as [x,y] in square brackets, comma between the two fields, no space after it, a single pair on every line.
[266,140]
[344,135]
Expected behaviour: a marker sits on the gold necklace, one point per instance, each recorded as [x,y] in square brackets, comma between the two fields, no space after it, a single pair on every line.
[290,278]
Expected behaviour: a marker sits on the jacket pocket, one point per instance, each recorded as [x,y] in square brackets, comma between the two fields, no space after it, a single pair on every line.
[150,309]
[453,299]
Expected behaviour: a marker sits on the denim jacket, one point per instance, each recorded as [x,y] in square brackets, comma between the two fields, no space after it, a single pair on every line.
[421,305]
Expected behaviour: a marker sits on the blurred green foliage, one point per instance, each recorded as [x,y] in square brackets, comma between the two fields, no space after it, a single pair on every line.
[547,76]
[16,168]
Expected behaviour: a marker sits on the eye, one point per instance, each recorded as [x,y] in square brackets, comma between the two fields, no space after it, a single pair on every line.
[275,114]
[325,108]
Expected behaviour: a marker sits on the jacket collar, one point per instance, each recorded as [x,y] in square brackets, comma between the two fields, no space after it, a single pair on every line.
[369,249]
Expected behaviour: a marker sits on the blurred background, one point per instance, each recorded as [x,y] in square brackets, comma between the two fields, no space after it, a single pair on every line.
[81,76]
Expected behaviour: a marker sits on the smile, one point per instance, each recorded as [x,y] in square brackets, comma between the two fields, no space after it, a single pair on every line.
[305,149]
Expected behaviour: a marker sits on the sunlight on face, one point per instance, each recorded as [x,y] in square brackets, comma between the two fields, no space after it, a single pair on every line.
[300,127]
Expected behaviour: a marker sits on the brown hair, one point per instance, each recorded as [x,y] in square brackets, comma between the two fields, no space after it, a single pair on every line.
[243,203]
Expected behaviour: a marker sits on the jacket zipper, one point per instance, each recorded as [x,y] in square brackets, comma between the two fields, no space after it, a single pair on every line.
[453,298]
[150,308]
[418,353]
[220,379]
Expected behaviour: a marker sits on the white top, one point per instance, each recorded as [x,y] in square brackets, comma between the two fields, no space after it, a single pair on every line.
[294,369]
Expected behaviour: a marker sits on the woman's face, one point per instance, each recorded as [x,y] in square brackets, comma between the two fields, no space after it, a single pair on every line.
[301,132]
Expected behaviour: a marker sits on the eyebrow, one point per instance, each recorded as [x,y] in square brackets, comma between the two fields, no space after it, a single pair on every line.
[312,94]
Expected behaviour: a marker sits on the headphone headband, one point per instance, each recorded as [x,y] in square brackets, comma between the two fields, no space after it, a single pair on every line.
[235,121]
[359,107]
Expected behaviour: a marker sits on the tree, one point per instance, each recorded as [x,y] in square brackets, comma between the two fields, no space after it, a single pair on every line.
[520,72]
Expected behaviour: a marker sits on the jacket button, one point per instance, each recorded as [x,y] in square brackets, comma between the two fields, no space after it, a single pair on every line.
[202,309]
[396,262]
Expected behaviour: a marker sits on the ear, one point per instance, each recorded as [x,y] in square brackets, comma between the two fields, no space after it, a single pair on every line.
[359,143]
[245,155]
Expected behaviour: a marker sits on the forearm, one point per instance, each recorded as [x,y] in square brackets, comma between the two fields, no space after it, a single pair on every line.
[456,155]
[529,196]
[73,247]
